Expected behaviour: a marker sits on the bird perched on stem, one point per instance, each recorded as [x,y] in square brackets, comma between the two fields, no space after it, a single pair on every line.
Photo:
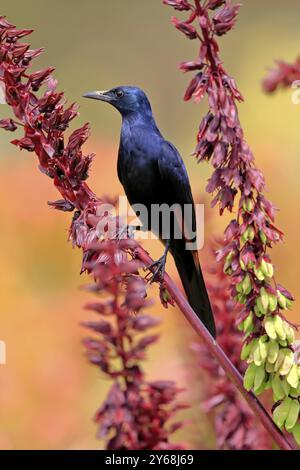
[153,175]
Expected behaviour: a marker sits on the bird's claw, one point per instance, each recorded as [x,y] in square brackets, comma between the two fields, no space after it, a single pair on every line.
[159,272]
[126,231]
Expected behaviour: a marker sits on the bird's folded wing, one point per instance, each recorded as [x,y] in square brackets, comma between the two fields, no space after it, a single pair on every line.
[174,176]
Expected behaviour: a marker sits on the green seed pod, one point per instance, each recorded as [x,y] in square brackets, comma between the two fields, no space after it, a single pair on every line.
[296,433]
[258,361]
[294,393]
[272,302]
[279,360]
[254,344]
[289,304]
[241,298]
[263,267]
[257,311]
[263,237]
[270,269]
[273,351]
[260,376]
[292,377]
[293,414]
[278,392]
[263,347]
[278,324]
[239,287]
[286,387]
[262,388]
[244,237]
[249,376]
[259,274]
[264,298]
[281,412]
[287,362]
[260,306]
[246,285]
[269,367]
[270,327]
[242,264]
[248,205]
[246,351]
[251,233]
[267,269]
[290,333]
[248,323]
[281,300]
[227,263]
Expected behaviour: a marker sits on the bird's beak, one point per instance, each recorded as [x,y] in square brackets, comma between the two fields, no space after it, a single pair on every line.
[98,95]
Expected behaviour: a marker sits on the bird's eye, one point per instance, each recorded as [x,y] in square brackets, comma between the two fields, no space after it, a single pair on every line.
[119,93]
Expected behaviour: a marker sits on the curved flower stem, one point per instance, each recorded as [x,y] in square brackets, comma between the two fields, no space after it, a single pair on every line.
[232,373]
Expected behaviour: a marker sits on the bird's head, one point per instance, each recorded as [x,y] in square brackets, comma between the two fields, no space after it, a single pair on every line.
[126,99]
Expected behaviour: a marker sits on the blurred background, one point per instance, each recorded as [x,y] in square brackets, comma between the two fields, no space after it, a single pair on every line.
[48,392]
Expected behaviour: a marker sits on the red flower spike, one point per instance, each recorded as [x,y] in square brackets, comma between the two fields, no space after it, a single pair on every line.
[236,183]
[135,414]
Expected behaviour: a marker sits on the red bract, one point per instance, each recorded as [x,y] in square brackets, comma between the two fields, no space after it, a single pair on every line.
[8,125]
[179,5]
[282,76]
[224,19]
[213,4]
[135,414]
[185,28]
[237,183]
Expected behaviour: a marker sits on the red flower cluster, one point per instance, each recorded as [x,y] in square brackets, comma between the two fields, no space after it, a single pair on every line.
[135,414]
[236,426]
[283,76]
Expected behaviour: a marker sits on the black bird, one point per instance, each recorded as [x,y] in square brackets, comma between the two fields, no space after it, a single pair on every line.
[152,172]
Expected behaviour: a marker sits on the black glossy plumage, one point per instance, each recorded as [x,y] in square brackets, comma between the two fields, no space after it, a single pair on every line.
[152,172]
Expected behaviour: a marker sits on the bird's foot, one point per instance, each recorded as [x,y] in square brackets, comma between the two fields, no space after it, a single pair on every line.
[158,273]
[125,231]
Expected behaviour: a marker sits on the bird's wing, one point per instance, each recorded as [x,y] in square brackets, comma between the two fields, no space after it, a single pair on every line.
[119,168]
[173,172]
[174,176]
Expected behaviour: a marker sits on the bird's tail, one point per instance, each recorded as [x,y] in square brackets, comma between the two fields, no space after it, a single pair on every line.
[188,266]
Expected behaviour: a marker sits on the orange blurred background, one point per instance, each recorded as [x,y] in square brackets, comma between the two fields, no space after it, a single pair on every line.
[48,392]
